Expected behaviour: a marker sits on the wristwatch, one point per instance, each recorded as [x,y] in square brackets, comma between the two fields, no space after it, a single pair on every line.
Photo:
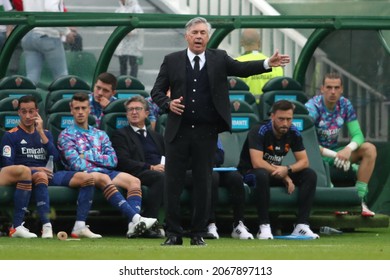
[289,170]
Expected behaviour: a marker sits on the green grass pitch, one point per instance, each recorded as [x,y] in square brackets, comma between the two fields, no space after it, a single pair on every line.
[367,244]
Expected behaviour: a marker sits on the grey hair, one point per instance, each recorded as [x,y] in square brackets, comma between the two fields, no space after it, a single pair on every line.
[198,20]
[138,98]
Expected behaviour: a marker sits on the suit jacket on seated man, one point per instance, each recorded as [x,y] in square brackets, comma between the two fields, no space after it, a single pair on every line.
[139,152]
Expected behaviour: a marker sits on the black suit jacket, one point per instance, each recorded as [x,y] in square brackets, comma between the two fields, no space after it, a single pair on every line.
[129,150]
[219,66]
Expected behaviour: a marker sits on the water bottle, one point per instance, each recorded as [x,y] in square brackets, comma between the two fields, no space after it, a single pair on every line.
[329,231]
[50,164]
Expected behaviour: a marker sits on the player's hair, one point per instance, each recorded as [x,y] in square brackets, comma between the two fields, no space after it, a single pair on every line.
[332,76]
[80,96]
[108,78]
[282,105]
[27,99]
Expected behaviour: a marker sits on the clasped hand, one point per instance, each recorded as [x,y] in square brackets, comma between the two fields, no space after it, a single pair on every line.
[281,172]
[176,107]
[342,161]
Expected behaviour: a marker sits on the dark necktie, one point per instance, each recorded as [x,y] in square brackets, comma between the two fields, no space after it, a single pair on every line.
[141,132]
[196,66]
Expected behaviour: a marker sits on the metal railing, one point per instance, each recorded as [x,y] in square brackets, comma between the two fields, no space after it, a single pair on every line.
[371,109]
[373,117]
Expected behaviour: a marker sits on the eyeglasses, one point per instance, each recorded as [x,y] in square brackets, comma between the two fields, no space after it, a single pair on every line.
[137,109]
[25,112]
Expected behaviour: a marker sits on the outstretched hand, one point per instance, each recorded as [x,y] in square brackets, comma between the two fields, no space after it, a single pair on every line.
[278,59]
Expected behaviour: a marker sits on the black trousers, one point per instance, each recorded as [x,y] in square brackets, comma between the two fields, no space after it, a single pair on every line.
[199,144]
[215,179]
[154,181]
[305,183]
[132,61]
[234,182]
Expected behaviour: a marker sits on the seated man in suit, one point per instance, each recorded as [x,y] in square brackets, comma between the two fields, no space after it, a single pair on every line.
[140,152]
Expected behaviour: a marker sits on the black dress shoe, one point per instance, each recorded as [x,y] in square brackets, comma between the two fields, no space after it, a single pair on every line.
[198,241]
[173,240]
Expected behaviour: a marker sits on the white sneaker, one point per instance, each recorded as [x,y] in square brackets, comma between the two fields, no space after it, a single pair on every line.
[212,231]
[149,222]
[241,232]
[264,232]
[366,212]
[304,230]
[136,229]
[21,232]
[139,227]
[47,232]
[84,232]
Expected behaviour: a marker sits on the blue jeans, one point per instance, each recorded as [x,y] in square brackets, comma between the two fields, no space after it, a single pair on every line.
[40,48]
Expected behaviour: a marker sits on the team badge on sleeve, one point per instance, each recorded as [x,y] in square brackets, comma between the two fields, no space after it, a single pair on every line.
[6,151]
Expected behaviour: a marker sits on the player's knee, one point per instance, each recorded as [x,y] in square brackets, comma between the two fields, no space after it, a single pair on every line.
[101,180]
[261,174]
[22,171]
[87,180]
[136,182]
[132,187]
[131,180]
[369,150]
[40,178]
[310,176]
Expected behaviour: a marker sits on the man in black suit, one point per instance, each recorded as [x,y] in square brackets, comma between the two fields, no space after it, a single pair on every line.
[139,151]
[199,109]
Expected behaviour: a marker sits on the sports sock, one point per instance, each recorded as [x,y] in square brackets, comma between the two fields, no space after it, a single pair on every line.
[134,199]
[136,218]
[118,201]
[21,199]
[79,225]
[41,195]
[84,202]
[361,189]
[46,225]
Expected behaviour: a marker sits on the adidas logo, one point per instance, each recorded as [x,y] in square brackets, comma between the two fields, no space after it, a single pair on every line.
[302,232]
[23,142]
